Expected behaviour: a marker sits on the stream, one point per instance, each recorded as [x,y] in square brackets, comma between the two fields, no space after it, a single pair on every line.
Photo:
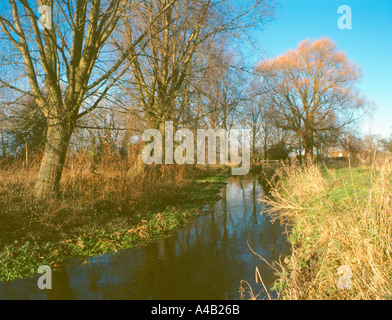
[204,259]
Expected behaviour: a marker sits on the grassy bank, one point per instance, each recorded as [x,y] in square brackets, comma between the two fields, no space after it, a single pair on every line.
[99,211]
[338,217]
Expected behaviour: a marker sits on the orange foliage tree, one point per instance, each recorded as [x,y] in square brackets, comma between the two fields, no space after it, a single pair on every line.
[312,90]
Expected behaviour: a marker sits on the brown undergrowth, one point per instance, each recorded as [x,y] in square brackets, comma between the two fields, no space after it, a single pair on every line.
[101,208]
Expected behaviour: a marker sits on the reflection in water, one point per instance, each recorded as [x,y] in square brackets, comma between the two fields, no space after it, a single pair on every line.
[205,259]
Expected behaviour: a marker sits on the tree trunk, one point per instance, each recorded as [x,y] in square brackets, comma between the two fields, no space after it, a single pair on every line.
[254,147]
[308,141]
[265,151]
[57,142]
[3,146]
[27,153]
[308,138]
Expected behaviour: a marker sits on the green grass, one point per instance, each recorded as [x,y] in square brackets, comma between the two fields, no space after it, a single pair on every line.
[348,184]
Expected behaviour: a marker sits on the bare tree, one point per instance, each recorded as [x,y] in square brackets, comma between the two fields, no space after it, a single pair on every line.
[67,64]
[223,91]
[164,70]
[175,75]
[26,128]
[252,116]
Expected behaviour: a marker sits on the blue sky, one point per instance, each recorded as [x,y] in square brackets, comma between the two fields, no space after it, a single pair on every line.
[368,43]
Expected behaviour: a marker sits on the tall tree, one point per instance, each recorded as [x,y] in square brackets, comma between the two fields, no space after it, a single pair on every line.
[177,50]
[252,115]
[67,67]
[312,89]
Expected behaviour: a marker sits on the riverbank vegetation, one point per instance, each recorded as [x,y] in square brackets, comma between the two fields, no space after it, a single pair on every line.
[337,217]
[98,212]
[83,87]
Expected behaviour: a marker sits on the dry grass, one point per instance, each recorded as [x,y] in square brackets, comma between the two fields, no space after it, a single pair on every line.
[94,196]
[336,217]
[98,193]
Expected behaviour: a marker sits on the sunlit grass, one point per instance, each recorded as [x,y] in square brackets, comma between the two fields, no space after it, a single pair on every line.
[337,217]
